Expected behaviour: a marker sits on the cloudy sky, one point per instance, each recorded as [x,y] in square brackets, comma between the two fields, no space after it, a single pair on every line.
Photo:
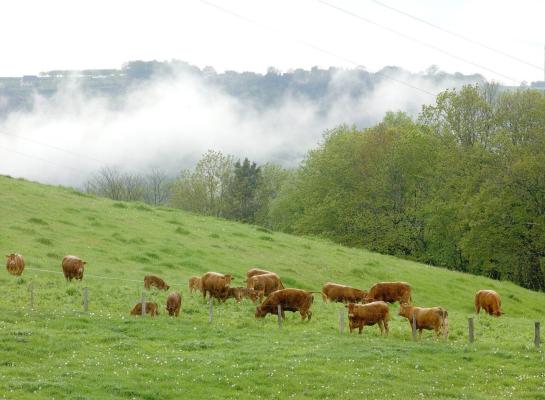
[253,35]
[66,138]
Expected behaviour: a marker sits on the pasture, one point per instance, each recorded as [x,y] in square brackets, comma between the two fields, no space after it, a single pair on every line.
[55,350]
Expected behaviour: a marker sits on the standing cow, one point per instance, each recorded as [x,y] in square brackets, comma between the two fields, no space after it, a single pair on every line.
[390,292]
[73,267]
[174,303]
[151,309]
[215,284]
[267,283]
[343,294]
[15,264]
[152,280]
[435,318]
[194,284]
[257,271]
[289,300]
[490,301]
[360,315]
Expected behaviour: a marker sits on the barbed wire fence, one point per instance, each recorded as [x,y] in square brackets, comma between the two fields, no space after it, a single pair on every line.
[143,300]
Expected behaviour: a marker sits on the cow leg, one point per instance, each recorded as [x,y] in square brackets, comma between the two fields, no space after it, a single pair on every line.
[386,327]
[420,334]
[309,314]
[381,327]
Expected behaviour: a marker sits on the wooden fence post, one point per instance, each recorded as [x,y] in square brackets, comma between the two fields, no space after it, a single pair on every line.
[279,316]
[414,325]
[341,321]
[211,310]
[85,300]
[31,292]
[537,335]
[143,302]
[470,328]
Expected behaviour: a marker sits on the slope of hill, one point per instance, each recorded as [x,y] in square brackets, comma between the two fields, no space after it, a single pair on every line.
[56,351]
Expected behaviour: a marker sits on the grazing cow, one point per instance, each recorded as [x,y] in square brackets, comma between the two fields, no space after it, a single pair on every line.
[268,283]
[174,302]
[15,264]
[238,293]
[151,308]
[216,284]
[73,267]
[252,294]
[152,280]
[390,292]
[490,301]
[343,294]
[426,318]
[195,284]
[257,271]
[360,315]
[289,300]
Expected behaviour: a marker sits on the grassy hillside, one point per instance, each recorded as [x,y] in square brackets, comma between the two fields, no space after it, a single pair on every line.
[57,351]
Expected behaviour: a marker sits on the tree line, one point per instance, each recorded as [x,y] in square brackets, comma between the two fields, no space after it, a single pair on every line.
[462,186]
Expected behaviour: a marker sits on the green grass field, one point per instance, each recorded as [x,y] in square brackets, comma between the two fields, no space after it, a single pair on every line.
[57,351]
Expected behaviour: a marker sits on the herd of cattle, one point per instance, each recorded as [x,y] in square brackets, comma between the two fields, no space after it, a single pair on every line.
[364,307]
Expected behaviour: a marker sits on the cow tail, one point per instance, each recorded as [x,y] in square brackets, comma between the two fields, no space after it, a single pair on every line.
[445,323]
[324,297]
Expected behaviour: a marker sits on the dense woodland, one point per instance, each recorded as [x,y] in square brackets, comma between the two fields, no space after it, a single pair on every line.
[462,186]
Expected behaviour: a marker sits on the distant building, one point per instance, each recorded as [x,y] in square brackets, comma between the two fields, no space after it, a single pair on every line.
[538,85]
[29,80]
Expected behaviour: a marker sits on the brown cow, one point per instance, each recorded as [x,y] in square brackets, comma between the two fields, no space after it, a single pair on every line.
[289,300]
[360,315]
[152,280]
[490,301]
[73,267]
[268,283]
[252,294]
[15,264]
[151,308]
[231,293]
[257,271]
[390,292]
[426,318]
[195,284]
[174,303]
[343,294]
[238,293]
[216,284]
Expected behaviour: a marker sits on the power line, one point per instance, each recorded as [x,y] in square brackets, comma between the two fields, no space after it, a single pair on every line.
[41,159]
[311,45]
[72,153]
[416,40]
[459,36]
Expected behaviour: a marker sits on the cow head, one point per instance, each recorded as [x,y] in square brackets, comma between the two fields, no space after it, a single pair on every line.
[404,310]
[228,278]
[11,257]
[260,312]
